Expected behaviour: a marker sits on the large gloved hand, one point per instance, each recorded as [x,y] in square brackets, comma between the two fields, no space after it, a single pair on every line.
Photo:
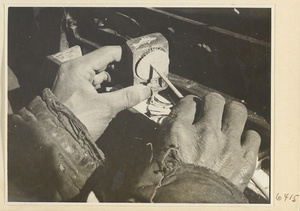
[207,134]
[76,83]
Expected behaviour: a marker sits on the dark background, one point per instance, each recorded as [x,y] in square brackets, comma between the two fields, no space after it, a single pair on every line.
[238,67]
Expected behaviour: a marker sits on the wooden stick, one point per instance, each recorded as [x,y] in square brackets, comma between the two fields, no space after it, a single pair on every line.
[168,82]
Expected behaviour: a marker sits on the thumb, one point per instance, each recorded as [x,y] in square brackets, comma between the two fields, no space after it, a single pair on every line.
[128,97]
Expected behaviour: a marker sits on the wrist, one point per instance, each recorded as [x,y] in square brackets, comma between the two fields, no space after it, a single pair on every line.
[199,185]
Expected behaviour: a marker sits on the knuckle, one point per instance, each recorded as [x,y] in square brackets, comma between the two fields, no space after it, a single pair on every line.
[208,134]
[64,68]
[232,133]
[214,96]
[237,106]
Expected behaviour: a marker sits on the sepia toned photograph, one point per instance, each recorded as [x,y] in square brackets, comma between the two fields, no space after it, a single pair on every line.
[139,105]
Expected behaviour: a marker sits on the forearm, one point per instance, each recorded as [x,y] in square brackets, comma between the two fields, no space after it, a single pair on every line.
[50,151]
[171,181]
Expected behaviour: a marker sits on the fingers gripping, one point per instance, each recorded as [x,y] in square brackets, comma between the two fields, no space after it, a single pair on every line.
[99,78]
[235,116]
[186,109]
[126,98]
[213,110]
[92,63]
[250,145]
[100,58]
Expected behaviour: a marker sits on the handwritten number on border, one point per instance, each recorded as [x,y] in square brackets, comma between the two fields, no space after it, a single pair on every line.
[287,197]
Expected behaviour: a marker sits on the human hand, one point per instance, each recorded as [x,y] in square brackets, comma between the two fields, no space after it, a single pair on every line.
[204,136]
[76,83]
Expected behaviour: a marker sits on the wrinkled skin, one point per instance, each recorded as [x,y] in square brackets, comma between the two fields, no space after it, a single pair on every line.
[209,133]
[198,128]
[75,86]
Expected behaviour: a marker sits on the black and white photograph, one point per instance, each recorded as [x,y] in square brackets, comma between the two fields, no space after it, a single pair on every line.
[169,105]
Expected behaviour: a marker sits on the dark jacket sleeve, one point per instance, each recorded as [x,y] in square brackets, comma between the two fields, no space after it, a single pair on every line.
[50,152]
[186,183]
[176,182]
[51,157]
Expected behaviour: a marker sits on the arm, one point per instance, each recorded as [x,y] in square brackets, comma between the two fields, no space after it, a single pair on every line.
[51,150]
